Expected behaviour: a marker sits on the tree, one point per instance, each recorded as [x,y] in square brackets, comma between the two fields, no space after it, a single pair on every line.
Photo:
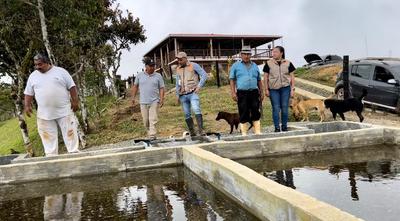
[85,37]
[18,27]
[122,32]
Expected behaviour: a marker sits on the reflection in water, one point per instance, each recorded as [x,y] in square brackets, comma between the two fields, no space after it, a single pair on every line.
[157,206]
[63,207]
[165,194]
[284,177]
[364,182]
[354,170]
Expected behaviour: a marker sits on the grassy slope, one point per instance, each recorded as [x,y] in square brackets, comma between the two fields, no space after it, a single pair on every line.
[125,125]
[122,122]
[324,75]
[10,136]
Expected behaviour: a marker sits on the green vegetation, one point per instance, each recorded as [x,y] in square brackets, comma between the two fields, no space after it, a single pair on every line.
[118,120]
[10,136]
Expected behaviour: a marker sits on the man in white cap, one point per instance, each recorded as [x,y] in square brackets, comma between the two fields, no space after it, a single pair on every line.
[246,90]
[190,78]
[57,98]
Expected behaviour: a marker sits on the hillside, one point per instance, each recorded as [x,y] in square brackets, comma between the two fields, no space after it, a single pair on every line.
[114,121]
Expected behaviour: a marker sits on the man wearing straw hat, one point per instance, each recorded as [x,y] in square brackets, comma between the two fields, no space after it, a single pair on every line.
[246,90]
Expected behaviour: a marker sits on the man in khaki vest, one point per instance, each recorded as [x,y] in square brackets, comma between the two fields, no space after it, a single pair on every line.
[190,78]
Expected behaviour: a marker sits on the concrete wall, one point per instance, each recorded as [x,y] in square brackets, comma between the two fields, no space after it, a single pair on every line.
[89,165]
[392,135]
[297,144]
[263,197]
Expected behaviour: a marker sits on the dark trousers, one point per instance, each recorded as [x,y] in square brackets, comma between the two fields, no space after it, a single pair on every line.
[248,105]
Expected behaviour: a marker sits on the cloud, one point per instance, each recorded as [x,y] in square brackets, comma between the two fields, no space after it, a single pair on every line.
[338,27]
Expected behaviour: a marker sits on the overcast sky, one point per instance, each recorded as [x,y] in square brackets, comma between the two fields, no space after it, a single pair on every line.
[358,28]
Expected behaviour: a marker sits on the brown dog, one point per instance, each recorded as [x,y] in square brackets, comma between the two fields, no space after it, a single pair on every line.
[302,107]
[233,119]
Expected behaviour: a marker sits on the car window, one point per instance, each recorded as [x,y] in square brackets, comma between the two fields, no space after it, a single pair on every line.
[381,74]
[361,71]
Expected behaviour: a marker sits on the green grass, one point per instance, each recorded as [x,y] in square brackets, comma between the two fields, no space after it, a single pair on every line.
[10,136]
[171,119]
[120,121]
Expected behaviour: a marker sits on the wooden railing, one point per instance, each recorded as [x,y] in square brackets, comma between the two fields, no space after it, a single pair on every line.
[205,54]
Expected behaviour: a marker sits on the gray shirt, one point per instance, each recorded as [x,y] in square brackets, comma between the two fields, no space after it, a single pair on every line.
[149,87]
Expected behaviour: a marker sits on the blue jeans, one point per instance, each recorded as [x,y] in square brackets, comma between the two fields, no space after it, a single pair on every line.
[280,104]
[190,100]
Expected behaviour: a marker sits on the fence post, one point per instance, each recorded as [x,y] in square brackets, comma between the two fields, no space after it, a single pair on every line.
[217,74]
[345,72]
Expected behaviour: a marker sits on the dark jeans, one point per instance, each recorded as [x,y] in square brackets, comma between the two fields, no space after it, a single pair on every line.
[280,104]
[249,105]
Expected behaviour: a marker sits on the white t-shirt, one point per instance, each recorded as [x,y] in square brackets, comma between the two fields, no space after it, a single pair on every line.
[51,91]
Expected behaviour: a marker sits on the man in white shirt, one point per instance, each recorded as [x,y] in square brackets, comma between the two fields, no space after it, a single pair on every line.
[57,98]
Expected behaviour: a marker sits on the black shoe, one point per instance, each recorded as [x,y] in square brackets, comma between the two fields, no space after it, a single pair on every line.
[277,130]
[284,129]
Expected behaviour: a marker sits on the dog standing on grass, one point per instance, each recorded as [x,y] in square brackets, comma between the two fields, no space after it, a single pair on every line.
[232,119]
[350,104]
[301,108]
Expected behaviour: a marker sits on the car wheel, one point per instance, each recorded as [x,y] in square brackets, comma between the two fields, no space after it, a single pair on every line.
[340,93]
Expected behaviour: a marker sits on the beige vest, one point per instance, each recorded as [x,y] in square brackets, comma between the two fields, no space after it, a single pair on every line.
[189,79]
[279,75]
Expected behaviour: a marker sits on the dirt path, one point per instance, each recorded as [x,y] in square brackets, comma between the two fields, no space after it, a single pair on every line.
[309,88]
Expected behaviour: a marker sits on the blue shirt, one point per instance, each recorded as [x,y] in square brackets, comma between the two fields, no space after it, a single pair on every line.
[202,77]
[246,77]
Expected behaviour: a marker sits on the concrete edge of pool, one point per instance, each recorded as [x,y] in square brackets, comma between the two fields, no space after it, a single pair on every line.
[261,196]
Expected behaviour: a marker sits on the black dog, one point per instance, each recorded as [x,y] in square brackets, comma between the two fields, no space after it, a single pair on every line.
[350,104]
[232,119]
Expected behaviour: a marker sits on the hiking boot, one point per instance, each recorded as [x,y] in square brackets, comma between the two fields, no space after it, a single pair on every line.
[243,129]
[190,124]
[277,130]
[199,119]
[284,128]
[257,127]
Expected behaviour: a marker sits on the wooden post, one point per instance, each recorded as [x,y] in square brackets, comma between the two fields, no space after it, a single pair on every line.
[155,59]
[211,48]
[176,47]
[217,74]
[162,61]
[161,56]
[168,54]
[219,49]
[346,76]
[170,71]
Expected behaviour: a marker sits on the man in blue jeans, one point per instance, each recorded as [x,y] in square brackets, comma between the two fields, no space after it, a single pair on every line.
[190,78]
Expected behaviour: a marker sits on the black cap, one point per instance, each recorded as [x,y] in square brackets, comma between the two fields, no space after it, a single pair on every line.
[148,61]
